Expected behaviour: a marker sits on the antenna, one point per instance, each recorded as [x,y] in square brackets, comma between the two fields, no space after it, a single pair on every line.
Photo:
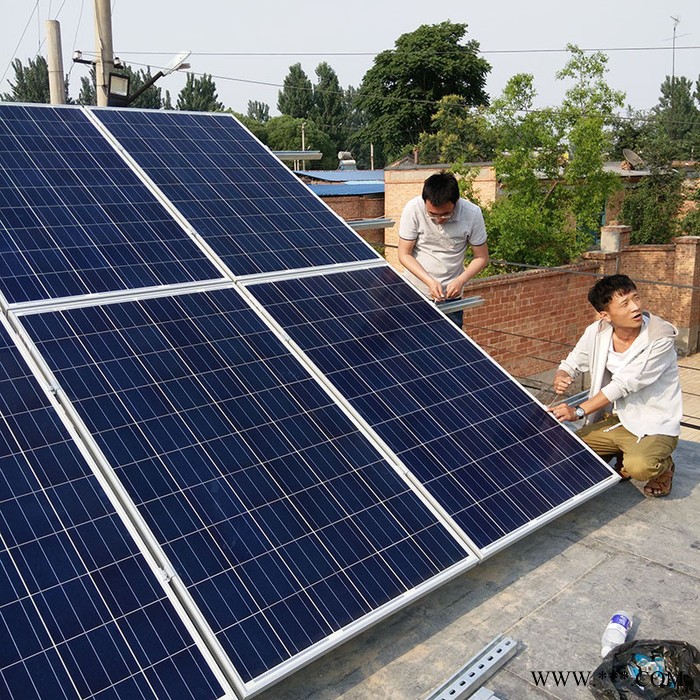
[676,22]
[632,158]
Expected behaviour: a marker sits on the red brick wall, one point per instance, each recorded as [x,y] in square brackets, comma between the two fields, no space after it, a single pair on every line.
[530,320]
[352,207]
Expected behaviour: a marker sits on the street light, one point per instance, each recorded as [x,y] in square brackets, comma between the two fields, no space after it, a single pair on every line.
[118,86]
[178,63]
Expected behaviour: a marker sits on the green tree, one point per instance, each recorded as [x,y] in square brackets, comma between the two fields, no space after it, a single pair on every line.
[630,130]
[88,91]
[550,163]
[651,207]
[528,224]
[355,122]
[284,134]
[329,110]
[589,105]
[678,116]
[31,82]
[461,135]
[400,92]
[691,222]
[258,111]
[296,97]
[199,95]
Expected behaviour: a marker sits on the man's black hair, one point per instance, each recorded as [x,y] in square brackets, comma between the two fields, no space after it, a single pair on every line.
[603,291]
[441,188]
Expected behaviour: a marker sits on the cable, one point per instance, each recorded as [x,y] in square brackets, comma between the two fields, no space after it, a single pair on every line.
[375,53]
[14,53]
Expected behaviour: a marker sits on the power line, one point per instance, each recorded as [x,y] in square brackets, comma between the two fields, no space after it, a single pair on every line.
[268,54]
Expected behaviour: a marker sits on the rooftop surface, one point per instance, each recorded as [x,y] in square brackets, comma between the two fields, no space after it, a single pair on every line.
[553,592]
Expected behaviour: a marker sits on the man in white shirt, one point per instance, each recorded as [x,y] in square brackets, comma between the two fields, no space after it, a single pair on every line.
[434,233]
[632,360]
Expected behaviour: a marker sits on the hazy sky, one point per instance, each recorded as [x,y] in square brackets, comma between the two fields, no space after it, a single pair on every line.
[249,46]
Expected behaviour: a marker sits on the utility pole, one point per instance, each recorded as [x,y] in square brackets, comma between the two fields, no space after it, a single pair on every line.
[57,87]
[303,143]
[103,48]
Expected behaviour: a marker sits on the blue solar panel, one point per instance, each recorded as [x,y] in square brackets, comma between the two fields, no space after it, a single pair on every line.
[81,613]
[284,522]
[74,219]
[253,212]
[482,446]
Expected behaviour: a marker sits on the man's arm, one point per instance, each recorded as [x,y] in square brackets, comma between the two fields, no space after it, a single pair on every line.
[564,412]
[479,261]
[412,265]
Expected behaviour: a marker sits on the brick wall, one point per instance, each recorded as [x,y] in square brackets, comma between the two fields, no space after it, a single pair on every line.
[352,207]
[530,320]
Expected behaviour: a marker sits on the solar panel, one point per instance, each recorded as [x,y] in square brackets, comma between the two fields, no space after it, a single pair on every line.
[81,613]
[285,523]
[75,219]
[479,443]
[253,212]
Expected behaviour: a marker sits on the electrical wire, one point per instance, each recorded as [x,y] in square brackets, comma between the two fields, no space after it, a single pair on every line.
[14,53]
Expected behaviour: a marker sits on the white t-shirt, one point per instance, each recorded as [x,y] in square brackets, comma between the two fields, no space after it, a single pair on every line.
[440,248]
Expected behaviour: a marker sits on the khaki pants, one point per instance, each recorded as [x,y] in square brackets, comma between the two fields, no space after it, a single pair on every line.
[642,459]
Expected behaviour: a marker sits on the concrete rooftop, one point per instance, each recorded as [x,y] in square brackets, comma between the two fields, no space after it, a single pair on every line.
[553,592]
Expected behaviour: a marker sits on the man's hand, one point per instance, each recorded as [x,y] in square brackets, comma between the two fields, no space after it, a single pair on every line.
[454,288]
[563,412]
[562,381]
[435,290]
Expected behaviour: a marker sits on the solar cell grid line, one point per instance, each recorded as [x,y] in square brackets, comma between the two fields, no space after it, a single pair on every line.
[288,529]
[482,447]
[248,207]
[74,217]
[82,614]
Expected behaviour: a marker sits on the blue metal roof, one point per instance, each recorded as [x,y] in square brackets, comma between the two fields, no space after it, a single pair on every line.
[343,175]
[357,188]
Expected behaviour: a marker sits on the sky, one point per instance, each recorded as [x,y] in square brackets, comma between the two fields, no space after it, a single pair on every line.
[248,47]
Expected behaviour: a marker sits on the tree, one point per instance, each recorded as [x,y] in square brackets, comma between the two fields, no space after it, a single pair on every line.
[31,83]
[199,95]
[355,121]
[679,117]
[528,224]
[651,207]
[151,98]
[296,97]
[88,90]
[551,165]
[400,92]
[461,135]
[589,105]
[691,222]
[258,111]
[284,134]
[329,110]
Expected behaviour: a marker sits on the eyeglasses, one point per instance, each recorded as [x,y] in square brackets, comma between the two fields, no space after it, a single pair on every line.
[439,216]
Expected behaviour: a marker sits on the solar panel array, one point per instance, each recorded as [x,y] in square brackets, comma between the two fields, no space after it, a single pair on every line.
[283,521]
[75,219]
[81,613]
[262,440]
[478,442]
[256,215]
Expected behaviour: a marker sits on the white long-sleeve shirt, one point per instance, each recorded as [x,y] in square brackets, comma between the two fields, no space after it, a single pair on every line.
[645,390]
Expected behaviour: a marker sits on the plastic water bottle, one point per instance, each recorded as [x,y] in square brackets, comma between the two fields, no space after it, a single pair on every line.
[616,631]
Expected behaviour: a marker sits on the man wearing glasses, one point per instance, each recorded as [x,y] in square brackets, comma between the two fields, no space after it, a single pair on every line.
[434,233]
